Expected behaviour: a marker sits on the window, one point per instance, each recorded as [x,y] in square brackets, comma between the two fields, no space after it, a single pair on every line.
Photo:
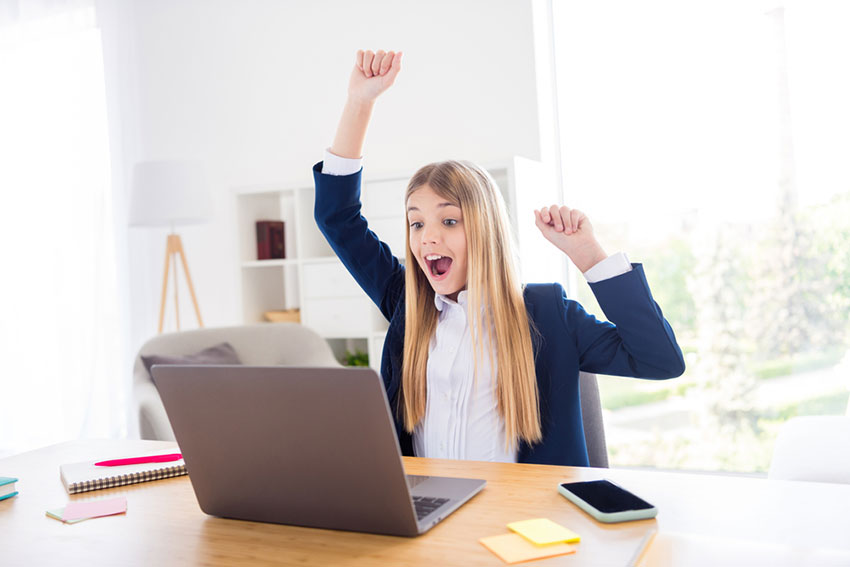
[708,141]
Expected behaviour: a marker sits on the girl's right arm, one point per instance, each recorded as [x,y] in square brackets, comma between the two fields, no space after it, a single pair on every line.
[373,73]
[337,209]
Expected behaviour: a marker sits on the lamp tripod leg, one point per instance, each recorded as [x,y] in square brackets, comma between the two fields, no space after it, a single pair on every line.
[174,266]
[164,283]
[179,250]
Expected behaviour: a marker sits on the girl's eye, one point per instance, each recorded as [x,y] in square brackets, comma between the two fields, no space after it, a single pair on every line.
[450,222]
[416,225]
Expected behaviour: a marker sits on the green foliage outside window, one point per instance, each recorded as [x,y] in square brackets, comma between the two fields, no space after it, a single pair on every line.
[762,312]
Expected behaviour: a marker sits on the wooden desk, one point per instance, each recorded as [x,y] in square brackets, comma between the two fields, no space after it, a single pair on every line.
[164,526]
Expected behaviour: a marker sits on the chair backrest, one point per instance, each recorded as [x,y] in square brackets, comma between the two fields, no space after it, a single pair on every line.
[813,448]
[264,344]
[591,415]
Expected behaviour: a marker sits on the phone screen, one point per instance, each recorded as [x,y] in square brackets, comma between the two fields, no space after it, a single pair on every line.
[606,496]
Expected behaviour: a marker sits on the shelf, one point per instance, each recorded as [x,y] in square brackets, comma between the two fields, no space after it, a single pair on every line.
[342,336]
[320,260]
[272,188]
[269,263]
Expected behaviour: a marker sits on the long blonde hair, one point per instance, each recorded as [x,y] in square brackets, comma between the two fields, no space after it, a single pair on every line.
[494,291]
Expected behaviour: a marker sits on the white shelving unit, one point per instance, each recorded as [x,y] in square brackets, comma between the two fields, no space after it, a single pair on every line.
[312,279]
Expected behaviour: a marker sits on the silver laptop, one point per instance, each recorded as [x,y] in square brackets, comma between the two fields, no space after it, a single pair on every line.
[305,446]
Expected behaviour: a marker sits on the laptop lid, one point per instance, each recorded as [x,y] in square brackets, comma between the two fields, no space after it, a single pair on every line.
[306,446]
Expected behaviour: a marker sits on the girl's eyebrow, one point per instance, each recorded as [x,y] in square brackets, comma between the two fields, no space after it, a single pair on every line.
[446,204]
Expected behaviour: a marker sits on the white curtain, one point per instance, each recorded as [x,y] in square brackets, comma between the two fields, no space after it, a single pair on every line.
[60,340]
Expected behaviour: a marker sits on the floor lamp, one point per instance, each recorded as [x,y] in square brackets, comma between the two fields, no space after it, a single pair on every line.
[171,193]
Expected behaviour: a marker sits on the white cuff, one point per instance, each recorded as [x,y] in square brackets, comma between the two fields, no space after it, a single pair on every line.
[335,165]
[612,266]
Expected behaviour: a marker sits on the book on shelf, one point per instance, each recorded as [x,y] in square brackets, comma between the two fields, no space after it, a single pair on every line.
[7,487]
[86,475]
[270,245]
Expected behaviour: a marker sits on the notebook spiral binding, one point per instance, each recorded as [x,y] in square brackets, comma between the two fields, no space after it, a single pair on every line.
[124,479]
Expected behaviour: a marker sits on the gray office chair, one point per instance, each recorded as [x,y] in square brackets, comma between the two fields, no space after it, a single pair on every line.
[272,344]
[591,416]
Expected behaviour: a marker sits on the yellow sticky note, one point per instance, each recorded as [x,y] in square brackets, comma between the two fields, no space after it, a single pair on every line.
[512,548]
[542,531]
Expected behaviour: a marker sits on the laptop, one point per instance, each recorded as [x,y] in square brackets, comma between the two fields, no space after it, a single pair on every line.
[310,447]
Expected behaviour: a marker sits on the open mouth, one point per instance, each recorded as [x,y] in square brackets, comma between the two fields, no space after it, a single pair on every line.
[439,266]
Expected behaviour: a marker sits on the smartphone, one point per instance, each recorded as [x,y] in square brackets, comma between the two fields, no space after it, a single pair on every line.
[606,501]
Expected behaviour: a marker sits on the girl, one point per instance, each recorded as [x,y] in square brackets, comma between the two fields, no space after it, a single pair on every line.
[476,366]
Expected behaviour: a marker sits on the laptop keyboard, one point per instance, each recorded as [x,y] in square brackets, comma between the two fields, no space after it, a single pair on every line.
[425,505]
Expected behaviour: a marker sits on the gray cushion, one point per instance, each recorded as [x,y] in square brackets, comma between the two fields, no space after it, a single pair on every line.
[222,353]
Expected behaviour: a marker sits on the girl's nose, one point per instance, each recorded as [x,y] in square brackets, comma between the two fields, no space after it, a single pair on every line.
[430,236]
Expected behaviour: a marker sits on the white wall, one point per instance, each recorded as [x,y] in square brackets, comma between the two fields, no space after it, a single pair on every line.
[254,89]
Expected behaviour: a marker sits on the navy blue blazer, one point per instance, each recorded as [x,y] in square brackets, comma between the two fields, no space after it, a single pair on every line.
[637,342]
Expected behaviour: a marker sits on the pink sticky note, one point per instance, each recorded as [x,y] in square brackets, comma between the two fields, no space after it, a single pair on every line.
[94,508]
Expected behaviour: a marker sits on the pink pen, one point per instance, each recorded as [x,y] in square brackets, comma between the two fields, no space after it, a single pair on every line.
[140,460]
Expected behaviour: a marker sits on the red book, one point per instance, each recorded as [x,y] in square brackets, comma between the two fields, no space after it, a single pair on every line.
[270,242]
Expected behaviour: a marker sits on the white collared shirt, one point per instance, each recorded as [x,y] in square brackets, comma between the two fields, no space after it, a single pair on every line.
[462,420]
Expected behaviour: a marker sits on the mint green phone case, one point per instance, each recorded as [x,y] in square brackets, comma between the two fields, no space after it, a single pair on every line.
[608,517]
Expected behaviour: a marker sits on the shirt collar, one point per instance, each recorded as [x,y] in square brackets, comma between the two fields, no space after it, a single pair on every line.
[441,300]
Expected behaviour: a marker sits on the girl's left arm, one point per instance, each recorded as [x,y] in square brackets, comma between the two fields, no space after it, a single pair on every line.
[635,341]
[638,341]
[570,231]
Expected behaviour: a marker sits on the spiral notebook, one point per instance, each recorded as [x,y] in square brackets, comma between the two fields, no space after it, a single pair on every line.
[86,476]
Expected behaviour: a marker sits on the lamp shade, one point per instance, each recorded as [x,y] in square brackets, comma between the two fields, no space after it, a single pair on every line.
[169,193]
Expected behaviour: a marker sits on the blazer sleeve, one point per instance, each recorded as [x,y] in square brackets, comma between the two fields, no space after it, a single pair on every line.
[369,260]
[638,341]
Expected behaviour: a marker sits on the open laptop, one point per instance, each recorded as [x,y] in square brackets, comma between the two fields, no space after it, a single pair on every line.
[305,446]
